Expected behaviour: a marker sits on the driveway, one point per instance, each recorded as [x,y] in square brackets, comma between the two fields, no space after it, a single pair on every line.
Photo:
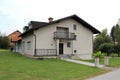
[114,75]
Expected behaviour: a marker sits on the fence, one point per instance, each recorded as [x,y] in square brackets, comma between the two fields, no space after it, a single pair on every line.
[46,52]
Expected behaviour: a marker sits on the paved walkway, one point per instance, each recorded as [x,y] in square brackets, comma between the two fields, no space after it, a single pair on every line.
[114,75]
[83,62]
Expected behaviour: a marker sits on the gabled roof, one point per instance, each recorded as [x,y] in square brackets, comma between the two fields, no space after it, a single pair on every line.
[36,24]
[14,36]
[75,17]
[14,32]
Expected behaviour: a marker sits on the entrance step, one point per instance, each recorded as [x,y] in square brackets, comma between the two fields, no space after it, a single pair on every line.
[65,56]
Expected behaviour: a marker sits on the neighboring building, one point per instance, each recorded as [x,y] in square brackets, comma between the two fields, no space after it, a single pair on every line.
[14,37]
[65,36]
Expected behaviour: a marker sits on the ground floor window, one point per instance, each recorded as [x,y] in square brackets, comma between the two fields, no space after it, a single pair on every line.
[29,45]
[68,44]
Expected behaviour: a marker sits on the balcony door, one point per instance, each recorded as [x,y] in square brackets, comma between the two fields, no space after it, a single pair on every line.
[63,32]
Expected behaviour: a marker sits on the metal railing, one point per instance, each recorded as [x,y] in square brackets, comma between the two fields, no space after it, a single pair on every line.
[46,52]
[64,35]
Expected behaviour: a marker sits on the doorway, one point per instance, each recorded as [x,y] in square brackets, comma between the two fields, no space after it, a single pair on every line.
[60,48]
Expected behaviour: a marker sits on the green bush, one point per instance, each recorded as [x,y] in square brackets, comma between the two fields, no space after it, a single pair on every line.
[4,42]
[98,55]
[107,48]
[117,49]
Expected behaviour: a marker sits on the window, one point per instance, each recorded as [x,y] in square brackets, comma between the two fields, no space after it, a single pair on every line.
[68,44]
[29,45]
[74,27]
[62,32]
[75,36]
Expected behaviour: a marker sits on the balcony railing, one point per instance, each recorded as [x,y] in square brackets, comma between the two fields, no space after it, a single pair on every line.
[64,35]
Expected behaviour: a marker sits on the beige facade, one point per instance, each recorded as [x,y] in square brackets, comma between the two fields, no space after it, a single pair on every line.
[66,36]
[28,45]
[82,45]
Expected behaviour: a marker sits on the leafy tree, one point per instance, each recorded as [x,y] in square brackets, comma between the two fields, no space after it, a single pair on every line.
[4,42]
[107,48]
[117,49]
[112,34]
[117,34]
[100,39]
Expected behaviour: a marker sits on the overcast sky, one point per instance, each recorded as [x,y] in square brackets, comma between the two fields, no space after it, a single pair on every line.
[15,14]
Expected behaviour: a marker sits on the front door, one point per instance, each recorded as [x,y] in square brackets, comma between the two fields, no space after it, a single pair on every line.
[60,48]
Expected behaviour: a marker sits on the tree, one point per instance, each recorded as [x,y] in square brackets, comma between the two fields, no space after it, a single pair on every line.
[117,49]
[117,34]
[100,39]
[107,48]
[4,42]
[112,34]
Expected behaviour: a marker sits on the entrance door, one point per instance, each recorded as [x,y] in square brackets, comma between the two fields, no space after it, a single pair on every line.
[60,48]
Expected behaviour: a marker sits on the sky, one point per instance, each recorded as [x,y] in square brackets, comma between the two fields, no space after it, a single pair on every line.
[15,14]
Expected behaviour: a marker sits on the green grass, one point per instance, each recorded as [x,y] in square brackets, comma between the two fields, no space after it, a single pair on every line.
[113,62]
[14,66]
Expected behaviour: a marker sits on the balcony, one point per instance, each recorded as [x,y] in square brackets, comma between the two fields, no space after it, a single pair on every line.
[64,35]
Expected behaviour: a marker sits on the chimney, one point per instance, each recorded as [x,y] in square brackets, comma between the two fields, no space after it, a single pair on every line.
[50,19]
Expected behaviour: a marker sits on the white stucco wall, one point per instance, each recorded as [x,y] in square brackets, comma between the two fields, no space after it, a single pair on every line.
[44,37]
[18,47]
[25,49]
[83,44]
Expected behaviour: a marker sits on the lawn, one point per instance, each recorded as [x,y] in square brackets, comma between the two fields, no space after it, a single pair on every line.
[113,62]
[14,66]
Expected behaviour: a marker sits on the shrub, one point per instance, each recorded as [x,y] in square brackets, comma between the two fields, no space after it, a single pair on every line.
[107,48]
[117,49]
[98,55]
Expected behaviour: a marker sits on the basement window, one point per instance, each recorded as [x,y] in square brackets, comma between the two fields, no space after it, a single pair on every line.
[75,51]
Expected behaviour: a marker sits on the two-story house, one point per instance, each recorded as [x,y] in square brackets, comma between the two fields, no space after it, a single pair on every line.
[65,36]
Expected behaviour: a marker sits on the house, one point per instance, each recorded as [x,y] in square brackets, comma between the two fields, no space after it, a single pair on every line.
[13,38]
[65,36]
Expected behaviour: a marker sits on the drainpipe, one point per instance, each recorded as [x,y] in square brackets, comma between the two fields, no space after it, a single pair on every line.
[57,46]
[34,44]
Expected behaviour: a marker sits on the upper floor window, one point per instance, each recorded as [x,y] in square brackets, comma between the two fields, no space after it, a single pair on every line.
[74,27]
[62,29]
